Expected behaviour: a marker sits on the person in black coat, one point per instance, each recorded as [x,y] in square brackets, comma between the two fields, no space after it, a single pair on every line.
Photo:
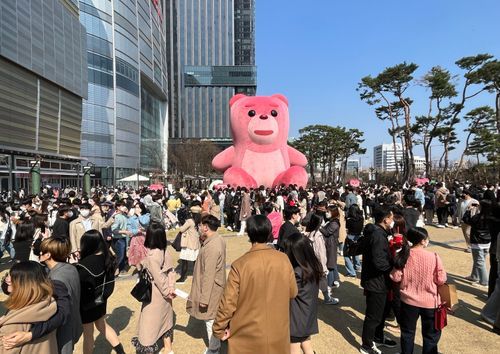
[304,307]
[377,264]
[291,214]
[61,225]
[25,231]
[411,213]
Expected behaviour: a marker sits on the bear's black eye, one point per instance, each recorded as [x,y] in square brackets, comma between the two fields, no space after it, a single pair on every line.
[274,113]
[251,113]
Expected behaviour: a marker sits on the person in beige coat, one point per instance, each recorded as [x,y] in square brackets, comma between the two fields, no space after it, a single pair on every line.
[30,301]
[85,222]
[260,283]
[157,317]
[209,279]
[190,243]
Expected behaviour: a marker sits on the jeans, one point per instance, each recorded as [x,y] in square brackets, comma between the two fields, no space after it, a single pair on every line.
[213,342]
[479,272]
[373,325]
[352,263]
[409,317]
[120,248]
[429,216]
[9,248]
[466,232]
[493,304]
[221,214]
[333,275]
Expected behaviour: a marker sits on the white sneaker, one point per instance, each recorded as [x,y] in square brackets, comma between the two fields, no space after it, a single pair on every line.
[336,284]
[332,301]
[439,226]
[372,350]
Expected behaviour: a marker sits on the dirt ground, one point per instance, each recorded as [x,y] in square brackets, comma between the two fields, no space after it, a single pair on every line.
[339,326]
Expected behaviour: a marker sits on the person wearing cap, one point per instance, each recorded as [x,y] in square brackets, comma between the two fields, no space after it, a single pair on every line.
[84,222]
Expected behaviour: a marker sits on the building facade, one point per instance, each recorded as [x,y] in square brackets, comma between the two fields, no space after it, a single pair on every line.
[43,78]
[124,127]
[383,157]
[419,163]
[211,57]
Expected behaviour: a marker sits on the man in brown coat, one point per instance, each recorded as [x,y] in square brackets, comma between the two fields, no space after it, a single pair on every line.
[209,279]
[254,313]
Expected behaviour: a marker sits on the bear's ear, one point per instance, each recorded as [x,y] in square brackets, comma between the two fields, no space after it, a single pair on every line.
[281,97]
[235,98]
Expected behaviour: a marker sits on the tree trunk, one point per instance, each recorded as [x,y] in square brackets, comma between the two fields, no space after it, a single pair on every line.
[497,108]
[409,162]
[394,149]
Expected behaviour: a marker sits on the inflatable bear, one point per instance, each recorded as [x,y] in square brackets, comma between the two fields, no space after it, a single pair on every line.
[260,154]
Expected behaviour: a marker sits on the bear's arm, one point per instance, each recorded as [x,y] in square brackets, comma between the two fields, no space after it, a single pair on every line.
[224,159]
[296,157]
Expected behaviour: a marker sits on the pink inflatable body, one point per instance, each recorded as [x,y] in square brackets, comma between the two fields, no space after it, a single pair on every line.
[260,154]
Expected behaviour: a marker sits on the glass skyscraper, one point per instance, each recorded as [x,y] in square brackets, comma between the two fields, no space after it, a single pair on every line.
[211,57]
[125,115]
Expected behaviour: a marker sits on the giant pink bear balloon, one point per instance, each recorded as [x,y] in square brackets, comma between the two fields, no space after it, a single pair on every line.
[260,154]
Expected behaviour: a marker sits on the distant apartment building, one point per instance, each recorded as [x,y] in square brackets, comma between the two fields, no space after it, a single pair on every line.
[419,163]
[384,159]
[353,166]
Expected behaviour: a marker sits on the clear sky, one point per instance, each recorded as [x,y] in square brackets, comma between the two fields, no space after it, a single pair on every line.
[316,52]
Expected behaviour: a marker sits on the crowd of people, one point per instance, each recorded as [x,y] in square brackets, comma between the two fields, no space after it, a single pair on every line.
[66,250]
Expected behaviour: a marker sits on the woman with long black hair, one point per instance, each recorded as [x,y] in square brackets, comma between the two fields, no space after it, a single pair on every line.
[96,269]
[304,307]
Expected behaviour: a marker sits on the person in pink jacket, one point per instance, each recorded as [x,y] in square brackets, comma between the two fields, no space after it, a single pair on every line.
[419,273]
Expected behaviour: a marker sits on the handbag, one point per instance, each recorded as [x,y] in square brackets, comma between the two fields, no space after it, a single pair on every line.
[177,242]
[143,288]
[440,313]
[8,235]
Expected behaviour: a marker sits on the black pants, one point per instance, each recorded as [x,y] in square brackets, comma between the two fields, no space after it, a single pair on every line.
[409,317]
[373,326]
[442,214]
[493,274]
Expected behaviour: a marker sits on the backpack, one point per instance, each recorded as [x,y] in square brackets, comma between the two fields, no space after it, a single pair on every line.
[101,292]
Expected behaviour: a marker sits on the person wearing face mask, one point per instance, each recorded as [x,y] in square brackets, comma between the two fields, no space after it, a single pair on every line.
[419,273]
[83,223]
[61,225]
[291,214]
[377,264]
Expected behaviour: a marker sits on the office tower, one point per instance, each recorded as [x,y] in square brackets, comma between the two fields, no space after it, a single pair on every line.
[211,57]
[43,78]
[125,116]
[383,157]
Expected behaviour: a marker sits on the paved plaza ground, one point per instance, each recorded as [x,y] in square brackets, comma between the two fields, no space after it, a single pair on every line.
[339,326]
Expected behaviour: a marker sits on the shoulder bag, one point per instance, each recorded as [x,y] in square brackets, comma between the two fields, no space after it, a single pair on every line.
[440,315]
[142,290]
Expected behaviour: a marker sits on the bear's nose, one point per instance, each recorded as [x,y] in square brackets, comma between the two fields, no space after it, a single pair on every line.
[263,116]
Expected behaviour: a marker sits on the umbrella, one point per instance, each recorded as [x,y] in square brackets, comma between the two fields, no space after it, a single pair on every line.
[156,187]
[133,178]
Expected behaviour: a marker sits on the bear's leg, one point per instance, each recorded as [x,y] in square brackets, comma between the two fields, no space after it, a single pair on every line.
[294,175]
[236,176]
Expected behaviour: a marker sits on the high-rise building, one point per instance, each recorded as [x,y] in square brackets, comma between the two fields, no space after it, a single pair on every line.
[125,116]
[383,157]
[43,77]
[419,163]
[211,57]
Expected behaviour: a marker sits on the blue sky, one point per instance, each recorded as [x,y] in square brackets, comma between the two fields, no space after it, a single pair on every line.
[316,52]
